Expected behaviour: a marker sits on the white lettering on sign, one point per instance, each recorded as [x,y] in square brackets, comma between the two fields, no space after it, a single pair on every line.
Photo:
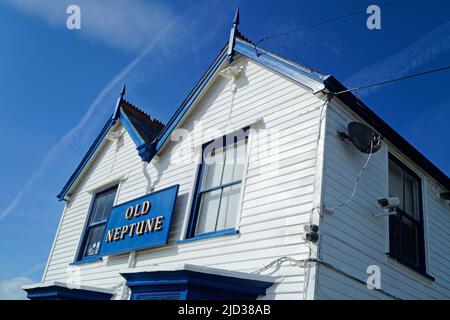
[137,228]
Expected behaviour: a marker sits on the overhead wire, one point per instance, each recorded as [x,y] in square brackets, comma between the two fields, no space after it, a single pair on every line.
[305,262]
[292,53]
[410,76]
[273,36]
[324,22]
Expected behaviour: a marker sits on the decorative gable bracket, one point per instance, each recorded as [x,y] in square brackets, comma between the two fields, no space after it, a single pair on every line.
[146,152]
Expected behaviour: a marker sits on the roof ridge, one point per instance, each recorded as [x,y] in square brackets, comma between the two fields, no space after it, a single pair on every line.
[158,122]
[129,104]
[297,64]
[241,36]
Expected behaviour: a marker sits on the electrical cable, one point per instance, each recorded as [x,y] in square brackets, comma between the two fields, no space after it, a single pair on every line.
[271,37]
[278,262]
[292,54]
[414,75]
[305,263]
[321,117]
[326,264]
[323,22]
[410,76]
[355,187]
[307,272]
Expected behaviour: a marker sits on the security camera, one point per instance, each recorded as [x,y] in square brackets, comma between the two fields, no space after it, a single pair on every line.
[389,203]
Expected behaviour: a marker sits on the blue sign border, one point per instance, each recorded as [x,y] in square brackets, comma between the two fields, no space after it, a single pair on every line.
[166,230]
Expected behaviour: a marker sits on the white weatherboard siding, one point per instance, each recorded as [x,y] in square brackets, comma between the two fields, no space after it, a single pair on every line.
[352,239]
[276,201]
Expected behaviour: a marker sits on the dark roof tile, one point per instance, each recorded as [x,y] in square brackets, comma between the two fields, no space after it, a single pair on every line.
[147,127]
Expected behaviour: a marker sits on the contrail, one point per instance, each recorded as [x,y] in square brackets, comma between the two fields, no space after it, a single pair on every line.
[415,55]
[200,10]
[54,151]
[37,267]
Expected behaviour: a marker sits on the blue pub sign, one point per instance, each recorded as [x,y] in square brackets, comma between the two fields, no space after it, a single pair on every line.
[139,224]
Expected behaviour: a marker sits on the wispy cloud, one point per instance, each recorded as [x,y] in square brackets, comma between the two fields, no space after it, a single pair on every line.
[415,55]
[197,32]
[128,25]
[12,289]
[69,136]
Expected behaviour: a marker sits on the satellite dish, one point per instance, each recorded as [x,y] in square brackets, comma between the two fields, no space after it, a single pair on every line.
[364,138]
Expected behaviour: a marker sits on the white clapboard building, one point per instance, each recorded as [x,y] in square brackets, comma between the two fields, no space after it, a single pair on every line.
[270,181]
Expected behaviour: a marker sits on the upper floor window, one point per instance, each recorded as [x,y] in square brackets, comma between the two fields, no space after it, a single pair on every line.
[95,228]
[406,236]
[217,196]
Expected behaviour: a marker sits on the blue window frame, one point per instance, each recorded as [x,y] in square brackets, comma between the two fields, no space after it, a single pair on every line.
[95,227]
[218,188]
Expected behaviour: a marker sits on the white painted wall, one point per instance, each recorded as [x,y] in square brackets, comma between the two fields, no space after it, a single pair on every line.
[276,201]
[352,239]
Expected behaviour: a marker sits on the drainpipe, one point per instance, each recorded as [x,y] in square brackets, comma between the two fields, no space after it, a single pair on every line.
[232,73]
[147,176]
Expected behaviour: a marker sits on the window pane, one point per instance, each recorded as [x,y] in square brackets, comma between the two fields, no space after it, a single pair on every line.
[207,216]
[93,240]
[100,211]
[411,196]
[213,165]
[229,206]
[109,204]
[234,162]
[405,227]
[102,206]
[410,241]
[394,235]
[222,164]
[396,182]
[98,208]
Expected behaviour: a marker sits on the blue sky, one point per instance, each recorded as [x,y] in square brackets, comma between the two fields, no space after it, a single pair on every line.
[58,86]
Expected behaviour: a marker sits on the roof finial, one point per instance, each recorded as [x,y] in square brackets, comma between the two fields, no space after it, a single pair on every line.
[231,41]
[119,100]
[236,17]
